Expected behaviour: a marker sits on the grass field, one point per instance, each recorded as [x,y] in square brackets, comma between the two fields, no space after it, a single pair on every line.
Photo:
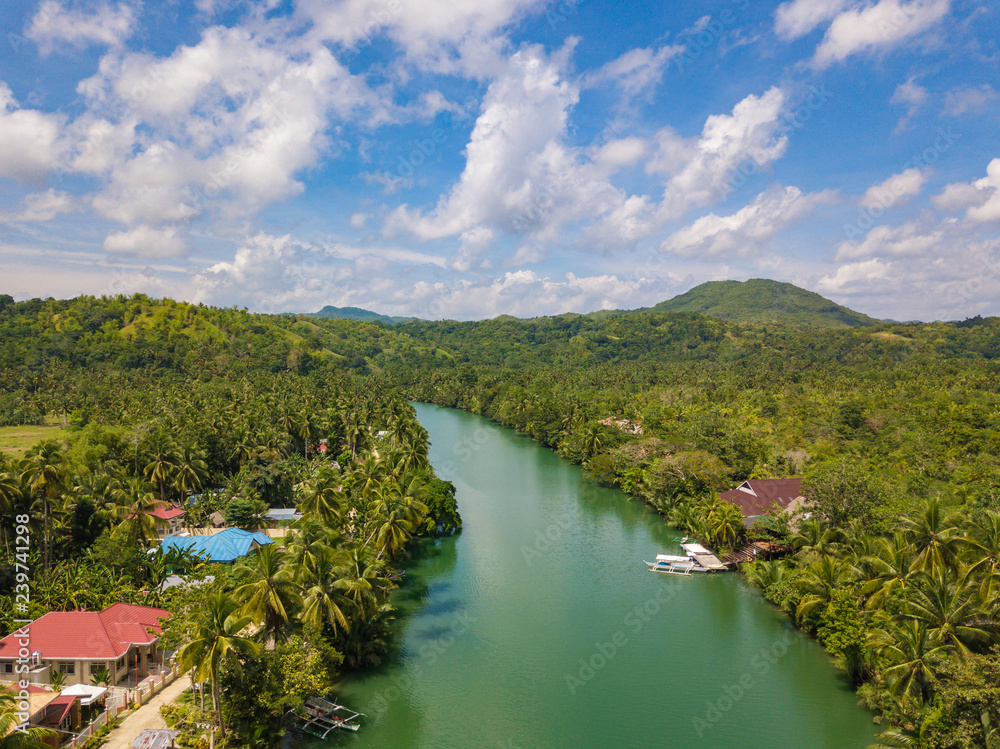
[16,440]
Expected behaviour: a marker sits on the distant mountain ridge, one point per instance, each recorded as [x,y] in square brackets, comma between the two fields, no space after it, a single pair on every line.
[758,301]
[761,301]
[357,313]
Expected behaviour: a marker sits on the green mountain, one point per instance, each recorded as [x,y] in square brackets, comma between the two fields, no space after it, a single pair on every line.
[761,300]
[357,313]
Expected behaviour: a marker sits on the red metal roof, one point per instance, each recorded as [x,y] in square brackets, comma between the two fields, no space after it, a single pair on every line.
[89,635]
[757,496]
[167,512]
[58,708]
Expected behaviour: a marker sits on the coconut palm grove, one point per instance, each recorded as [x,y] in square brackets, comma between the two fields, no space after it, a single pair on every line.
[892,563]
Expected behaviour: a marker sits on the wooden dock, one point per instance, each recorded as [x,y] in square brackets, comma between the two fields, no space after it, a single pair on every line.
[704,557]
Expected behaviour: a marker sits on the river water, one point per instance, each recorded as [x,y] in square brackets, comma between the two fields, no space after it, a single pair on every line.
[540,626]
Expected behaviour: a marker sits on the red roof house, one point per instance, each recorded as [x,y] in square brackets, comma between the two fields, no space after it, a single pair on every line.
[121,639]
[756,497]
[172,517]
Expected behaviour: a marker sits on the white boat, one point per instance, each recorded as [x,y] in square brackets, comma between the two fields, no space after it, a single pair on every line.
[675,565]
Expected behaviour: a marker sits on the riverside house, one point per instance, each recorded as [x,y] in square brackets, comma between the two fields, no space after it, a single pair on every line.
[122,638]
[756,497]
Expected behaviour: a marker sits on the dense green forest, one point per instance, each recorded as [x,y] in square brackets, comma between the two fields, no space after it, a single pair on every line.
[893,426]
[217,410]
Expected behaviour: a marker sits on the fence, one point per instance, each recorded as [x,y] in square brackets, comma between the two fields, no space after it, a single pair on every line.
[117,702]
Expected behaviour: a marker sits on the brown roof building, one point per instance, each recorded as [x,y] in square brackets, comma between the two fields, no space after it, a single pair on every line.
[756,497]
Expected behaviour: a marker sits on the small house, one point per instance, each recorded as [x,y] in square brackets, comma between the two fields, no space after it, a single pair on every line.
[757,497]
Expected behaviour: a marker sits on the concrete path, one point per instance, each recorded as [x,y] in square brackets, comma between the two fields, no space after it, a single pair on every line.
[147,716]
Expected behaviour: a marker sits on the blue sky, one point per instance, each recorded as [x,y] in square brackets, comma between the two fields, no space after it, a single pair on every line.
[467,159]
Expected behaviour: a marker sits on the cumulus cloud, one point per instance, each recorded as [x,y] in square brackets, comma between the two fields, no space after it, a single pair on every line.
[745,232]
[868,28]
[980,199]
[42,206]
[856,26]
[897,190]
[55,27]
[29,140]
[440,35]
[146,241]
[752,131]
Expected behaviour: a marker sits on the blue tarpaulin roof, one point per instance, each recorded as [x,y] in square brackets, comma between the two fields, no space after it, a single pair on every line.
[225,546]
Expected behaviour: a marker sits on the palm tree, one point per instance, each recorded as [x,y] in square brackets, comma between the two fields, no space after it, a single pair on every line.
[364,579]
[913,654]
[10,737]
[136,504]
[162,462]
[44,470]
[323,497]
[935,535]
[100,677]
[819,581]
[191,471]
[951,610]
[887,571]
[354,433]
[324,600]
[815,536]
[593,439]
[270,598]
[983,551]
[216,640]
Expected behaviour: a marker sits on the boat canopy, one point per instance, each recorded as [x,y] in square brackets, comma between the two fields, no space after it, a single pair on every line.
[670,558]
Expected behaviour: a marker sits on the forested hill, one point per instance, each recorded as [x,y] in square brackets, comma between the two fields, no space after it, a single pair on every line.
[357,313]
[134,333]
[762,300]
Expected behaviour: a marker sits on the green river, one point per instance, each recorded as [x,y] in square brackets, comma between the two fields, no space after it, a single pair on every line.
[540,626]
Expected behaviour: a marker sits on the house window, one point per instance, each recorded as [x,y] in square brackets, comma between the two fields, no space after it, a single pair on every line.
[8,667]
[120,664]
[67,667]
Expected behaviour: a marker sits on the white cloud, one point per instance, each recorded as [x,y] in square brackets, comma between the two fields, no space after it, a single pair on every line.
[852,275]
[799,17]
[911,94]
[911,239]
[897,190]
[29,140]
[752,131]
[745,232]
[960,101]
[981,198]
[42,206]
[867,28]
[358,220]
[435,34]
[55,27]
[636,72]
[222,127]
[145,241]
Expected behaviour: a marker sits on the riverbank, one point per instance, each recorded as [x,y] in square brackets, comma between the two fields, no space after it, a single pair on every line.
[542,621]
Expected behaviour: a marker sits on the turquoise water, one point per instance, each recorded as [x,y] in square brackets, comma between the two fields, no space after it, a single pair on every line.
[540,626]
